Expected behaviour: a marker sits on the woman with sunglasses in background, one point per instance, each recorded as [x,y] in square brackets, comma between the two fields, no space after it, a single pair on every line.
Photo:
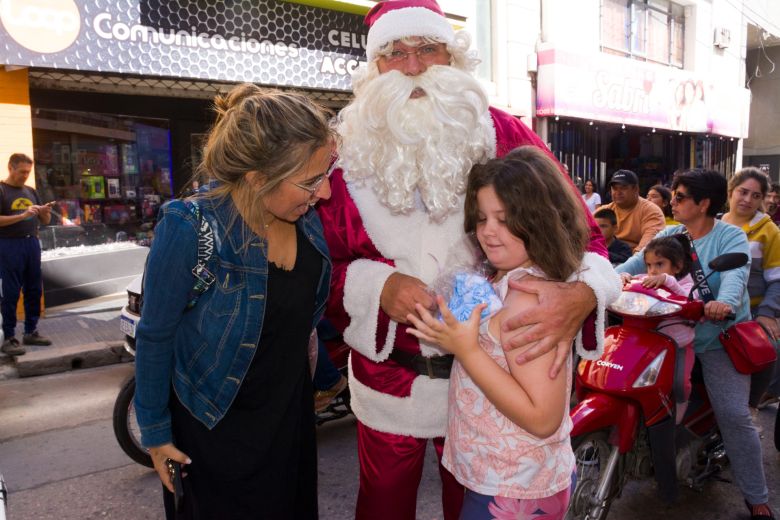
[747,189]
[698,195]
[224,386]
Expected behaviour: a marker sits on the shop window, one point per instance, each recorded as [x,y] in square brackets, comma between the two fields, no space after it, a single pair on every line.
[107,174]
[647,30]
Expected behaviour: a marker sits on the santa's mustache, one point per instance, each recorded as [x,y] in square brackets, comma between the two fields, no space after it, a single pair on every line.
[455,98]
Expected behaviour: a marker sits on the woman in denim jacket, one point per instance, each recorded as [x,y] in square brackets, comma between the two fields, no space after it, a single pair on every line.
[225,387]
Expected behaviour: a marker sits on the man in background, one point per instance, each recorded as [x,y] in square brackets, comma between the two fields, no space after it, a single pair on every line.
[21,212]
[638,219]
[772,202]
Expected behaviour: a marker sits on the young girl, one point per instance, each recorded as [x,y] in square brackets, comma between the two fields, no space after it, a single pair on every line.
[508,432]
[668,261]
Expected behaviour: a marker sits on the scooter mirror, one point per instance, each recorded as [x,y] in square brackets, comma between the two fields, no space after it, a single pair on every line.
[728,261]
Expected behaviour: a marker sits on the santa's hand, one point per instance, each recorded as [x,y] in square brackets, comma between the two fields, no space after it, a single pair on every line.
[401,293]
[552,324]
[625,278]
[450,334]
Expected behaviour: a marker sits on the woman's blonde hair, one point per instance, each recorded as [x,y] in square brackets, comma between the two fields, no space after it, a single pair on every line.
[540,208]
[268,133]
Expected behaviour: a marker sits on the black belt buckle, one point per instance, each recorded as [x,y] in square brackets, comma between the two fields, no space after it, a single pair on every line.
[436,367]
[429,366]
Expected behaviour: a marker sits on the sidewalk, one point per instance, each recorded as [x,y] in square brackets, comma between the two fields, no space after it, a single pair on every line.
[85,334]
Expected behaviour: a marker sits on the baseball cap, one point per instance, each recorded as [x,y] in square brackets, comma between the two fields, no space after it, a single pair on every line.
[626,177]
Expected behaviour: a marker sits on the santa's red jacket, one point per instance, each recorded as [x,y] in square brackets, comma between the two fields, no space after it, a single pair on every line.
[368,243]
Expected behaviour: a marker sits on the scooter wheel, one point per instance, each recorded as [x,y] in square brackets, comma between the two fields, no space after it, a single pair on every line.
[591,452]
[126,429]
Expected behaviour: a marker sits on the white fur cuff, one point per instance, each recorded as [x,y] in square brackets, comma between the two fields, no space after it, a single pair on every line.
[362,289]
[598,274]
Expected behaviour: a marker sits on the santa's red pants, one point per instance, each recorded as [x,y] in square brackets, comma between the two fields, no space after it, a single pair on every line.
[390,472]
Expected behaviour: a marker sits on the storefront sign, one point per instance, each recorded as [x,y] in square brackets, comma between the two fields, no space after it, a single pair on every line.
[619,90]
[270,42]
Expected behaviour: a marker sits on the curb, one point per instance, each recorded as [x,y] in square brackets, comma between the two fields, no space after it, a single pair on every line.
[64,359]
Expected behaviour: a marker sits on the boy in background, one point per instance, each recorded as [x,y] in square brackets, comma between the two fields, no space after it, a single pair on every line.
[619,251]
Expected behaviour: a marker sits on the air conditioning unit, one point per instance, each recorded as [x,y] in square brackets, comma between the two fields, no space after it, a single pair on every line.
[722,37]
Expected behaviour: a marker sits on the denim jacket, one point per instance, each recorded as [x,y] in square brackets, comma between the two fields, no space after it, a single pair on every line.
[204,352]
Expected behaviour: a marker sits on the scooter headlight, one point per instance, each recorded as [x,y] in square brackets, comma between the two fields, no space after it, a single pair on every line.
[637,304]
[649,375]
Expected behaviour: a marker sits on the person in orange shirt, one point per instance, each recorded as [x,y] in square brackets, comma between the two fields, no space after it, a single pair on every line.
[638,219]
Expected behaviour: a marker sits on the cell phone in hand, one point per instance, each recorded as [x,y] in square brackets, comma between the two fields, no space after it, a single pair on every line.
[174,470]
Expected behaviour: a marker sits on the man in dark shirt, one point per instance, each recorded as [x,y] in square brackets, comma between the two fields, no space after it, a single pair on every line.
[20,254]
[618,250]
[772,202]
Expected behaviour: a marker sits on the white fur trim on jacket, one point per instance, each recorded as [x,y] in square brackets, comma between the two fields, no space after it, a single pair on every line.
[362,289]
[409,21]
[598,274]
[423,414]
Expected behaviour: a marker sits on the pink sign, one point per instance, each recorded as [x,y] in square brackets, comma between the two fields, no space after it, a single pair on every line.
[619,90]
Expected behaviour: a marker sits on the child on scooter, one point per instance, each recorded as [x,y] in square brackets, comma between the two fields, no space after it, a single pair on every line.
[508,434]
[668,261]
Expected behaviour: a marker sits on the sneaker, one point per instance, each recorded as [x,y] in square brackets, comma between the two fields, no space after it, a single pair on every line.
[323,398]
[766,400]
[11,347]
[34,338]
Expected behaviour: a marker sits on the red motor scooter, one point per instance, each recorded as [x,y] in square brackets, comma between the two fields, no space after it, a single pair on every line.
[624,421]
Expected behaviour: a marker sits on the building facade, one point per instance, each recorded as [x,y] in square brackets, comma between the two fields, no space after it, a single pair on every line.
[114,101]
[648,85]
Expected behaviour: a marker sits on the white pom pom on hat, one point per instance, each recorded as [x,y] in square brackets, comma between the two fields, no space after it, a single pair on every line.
[395,19]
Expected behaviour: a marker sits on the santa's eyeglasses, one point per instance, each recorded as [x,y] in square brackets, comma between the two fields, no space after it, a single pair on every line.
[425,53]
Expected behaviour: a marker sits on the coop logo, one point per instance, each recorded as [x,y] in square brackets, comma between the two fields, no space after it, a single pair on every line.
[609,365]
[44,26]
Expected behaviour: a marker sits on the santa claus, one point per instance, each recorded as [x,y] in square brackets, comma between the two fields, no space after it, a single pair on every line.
[418,123]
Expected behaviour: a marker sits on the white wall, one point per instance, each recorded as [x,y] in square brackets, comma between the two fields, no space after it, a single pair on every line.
[764,134]
[571,24]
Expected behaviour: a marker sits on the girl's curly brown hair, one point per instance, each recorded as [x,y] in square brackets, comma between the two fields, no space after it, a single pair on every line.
[541,208]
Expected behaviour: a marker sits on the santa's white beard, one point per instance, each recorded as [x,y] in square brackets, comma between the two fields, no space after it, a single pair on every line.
[401,146]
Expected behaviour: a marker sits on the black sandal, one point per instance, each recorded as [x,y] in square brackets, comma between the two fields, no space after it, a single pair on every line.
[754,516]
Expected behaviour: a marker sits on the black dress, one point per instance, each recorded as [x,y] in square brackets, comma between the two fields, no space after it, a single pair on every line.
[260,460]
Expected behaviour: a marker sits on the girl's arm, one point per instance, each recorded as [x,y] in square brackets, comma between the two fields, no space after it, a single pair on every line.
[682,286]
[535,405]
[535,402]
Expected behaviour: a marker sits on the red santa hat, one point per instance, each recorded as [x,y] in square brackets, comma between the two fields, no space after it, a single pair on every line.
[395,19]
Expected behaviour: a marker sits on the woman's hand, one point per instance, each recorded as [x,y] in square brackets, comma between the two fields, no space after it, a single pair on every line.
[453,336]
[653,281]
[160,455]
[717,311]
[770,324]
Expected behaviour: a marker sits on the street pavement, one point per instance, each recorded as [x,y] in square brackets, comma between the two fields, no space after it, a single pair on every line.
[84,335]
[61,461]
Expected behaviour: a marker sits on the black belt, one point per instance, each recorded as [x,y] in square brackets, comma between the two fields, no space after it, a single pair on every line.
[436,367]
